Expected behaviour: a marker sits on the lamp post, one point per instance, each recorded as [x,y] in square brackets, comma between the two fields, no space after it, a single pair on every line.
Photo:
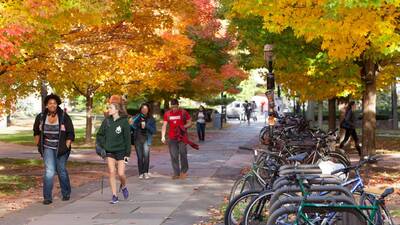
[223,109]
[268,57]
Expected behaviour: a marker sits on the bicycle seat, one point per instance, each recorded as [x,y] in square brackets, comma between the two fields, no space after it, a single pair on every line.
[388,191]
[299,157]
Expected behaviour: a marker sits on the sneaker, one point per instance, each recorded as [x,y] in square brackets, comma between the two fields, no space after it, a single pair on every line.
[125,192]
[65,198]
[47,202]
[114,200]
[141,176]
[146,176]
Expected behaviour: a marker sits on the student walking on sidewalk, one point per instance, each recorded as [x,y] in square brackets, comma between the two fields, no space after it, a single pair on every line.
[115,139]
[178,121]
[144,127]
[348,124]
[54,133]
[201,123]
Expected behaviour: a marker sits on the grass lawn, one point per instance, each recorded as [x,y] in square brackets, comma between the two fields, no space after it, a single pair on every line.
[26,137]
[17,175]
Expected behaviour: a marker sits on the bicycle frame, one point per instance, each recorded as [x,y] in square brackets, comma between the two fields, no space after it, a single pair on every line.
[360,208]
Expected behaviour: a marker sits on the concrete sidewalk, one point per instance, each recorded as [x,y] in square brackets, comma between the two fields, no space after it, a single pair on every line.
[159,200]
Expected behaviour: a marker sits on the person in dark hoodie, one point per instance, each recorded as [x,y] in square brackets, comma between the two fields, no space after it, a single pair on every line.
[144,126]
[115,138]
[348,124]
[54,133]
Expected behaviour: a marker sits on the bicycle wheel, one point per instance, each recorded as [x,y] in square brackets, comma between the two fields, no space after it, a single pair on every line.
[286,215]
[385,217]
[245,183]
[257,212]
[339,160]
[382,216]
[234,213]
[267,167]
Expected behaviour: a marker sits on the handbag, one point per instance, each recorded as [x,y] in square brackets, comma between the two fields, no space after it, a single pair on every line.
[100,151]
[345,125]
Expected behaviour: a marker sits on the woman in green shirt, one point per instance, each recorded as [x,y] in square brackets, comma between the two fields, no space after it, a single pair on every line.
[114,137]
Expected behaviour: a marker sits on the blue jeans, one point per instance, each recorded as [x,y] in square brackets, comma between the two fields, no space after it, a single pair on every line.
[55,164]
[178,152]
[143,157]
[201,131]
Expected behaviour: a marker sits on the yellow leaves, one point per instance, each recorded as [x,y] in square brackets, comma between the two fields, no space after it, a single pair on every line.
[346,32]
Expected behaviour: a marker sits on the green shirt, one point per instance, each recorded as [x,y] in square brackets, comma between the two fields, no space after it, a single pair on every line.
[115,136]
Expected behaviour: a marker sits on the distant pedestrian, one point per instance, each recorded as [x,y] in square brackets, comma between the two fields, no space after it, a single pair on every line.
[178,121]
[144,126]
[247,111]
[54,134]
[254,110]
[115,139]
[200,117]
[348,124]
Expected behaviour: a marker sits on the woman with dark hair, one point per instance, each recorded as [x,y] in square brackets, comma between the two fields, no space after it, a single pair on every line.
[115,138]
[348,124]
[144,127]
[200,118]
[54,133]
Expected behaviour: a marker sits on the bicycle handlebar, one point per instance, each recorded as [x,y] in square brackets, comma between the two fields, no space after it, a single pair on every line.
[370,159]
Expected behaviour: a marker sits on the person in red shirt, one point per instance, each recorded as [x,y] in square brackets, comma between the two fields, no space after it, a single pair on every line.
[177,119]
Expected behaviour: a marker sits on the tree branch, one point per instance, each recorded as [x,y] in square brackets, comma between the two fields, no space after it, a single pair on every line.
[77,89]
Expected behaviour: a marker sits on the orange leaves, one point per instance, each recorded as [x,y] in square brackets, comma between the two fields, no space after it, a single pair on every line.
[41,8]
[232,70]
[11,38]
[209,81]
[108,46]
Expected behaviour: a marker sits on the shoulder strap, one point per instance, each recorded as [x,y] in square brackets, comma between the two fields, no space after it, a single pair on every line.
[63,117]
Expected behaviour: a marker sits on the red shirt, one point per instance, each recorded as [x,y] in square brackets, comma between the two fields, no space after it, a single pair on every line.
[176,119]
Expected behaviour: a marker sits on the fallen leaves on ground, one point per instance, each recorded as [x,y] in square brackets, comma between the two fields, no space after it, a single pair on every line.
[80,174]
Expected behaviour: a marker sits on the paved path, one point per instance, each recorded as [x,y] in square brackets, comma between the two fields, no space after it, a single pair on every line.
[159,200]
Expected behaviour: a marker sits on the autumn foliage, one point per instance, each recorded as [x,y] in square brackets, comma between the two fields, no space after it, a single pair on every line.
[107,46]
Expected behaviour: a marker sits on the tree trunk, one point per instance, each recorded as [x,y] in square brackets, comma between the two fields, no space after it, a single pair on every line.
[298,107]
[395,118]
[166,104]
[310,115]
[320,115]
[368,75]
[43,92]
[332,114]
[156,107]
[8,120]
[89,116]
[294,106]
[342,104]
